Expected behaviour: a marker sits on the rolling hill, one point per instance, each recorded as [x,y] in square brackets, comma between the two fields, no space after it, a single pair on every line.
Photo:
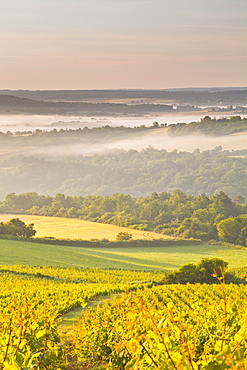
[66,228]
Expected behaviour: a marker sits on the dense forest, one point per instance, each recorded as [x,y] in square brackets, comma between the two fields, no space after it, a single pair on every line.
[129,172]
[177,214]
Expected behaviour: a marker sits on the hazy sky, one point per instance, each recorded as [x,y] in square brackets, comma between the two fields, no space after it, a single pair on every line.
[84,44]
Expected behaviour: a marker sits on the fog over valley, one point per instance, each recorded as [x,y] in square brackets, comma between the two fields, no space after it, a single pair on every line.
[118,151]
[157,140]
[74,144]
[199,157]
[22,122]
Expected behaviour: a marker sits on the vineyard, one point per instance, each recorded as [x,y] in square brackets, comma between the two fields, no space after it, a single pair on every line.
[144,327]
[172,327]
[32,302]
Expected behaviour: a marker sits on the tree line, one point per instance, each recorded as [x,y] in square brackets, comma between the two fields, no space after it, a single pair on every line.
[207,126]
[210,126]
[177,214]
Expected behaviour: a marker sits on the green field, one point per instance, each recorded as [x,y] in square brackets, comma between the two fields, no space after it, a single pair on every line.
[146,258]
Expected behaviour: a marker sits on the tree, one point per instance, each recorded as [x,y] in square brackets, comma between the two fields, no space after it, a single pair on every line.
[17,227]
[123,236]
[239,199]
[150,211]
[29,231]
[223,204]
[188,274]
[206,119]
[155,124]
[200,273]
[242,239]
[204,215]
[207,267]
[228,230]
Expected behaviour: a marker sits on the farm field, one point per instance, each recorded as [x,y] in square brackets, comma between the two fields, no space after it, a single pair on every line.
[129,258]
[139,326]
[168,327]
[66,228]
[31,307]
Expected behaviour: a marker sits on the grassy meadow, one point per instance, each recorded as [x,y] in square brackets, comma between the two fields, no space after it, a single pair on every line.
[67,228]
[146,258]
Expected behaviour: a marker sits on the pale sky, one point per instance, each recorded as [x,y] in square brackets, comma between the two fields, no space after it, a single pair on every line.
[109,44]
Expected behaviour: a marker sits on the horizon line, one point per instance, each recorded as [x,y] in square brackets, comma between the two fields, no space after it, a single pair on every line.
[135,89]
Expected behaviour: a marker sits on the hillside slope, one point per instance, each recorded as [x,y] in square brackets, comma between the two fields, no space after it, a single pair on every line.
[66,228]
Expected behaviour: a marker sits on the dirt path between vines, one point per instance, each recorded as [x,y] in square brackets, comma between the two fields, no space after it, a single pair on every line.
[69,320]
[67,327]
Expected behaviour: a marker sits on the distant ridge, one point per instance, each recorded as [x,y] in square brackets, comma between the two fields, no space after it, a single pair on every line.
[10,104]
[189,96]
